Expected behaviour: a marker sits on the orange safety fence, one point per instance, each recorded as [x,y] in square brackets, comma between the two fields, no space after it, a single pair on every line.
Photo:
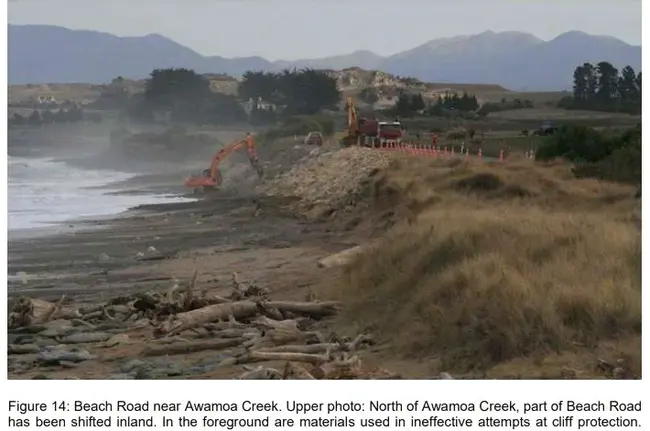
[435,151]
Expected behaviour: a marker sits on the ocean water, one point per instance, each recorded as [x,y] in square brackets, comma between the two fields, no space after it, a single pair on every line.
[42,192]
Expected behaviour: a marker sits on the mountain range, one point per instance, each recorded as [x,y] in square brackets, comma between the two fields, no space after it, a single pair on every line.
[515,60]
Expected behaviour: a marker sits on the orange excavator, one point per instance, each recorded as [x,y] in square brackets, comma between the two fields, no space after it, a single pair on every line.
[211,178]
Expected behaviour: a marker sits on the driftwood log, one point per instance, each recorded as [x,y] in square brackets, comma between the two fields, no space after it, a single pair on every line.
[191,346]
[242,309]
[259,356]
[261,373]
[332,369]
[33,311]
[247,326]
[315,310]
[302,348]
[212,313]
[296,372]
[342,258]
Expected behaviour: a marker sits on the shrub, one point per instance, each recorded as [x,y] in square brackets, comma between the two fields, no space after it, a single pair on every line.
[603,155]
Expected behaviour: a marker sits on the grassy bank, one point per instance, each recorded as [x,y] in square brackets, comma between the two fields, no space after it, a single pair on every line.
[498,264]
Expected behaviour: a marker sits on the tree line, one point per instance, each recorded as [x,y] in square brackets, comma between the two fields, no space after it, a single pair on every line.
[452,105]
[299,92]
[408,105]
[602,87]
[185,96]
[181,95]
[599,87]
[411,104]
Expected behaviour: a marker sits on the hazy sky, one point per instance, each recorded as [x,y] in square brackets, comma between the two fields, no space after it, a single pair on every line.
[291,29]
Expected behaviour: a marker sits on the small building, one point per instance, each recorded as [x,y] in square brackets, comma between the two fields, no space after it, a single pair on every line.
[45,99]
[259,105]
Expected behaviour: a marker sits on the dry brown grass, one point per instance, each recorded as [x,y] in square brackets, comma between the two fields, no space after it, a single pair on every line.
[498,263]
[520,183]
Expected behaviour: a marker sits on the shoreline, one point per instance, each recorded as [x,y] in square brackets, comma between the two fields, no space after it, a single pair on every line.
[152,193]
[75,225]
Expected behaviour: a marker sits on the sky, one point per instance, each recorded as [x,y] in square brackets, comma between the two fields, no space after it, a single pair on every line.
[293,29]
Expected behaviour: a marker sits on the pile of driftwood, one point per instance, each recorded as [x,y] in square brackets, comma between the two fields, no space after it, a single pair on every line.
[185,320]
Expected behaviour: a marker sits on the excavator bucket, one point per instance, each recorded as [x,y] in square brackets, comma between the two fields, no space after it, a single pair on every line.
[349,141]
[199,182]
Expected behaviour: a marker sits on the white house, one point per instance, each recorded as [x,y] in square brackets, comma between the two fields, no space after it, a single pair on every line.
[46,99]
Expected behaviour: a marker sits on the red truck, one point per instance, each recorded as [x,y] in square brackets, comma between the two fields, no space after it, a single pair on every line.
[379,132]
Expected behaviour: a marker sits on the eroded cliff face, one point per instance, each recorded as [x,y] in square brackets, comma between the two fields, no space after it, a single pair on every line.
[223,84]
[358,79]
[382,89]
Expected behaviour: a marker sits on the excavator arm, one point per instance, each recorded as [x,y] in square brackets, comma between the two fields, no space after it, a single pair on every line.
[353,121]
[213,177]
[352,137]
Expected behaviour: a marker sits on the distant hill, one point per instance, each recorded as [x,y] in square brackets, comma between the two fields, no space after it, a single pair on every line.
[50,54]
[515,60]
